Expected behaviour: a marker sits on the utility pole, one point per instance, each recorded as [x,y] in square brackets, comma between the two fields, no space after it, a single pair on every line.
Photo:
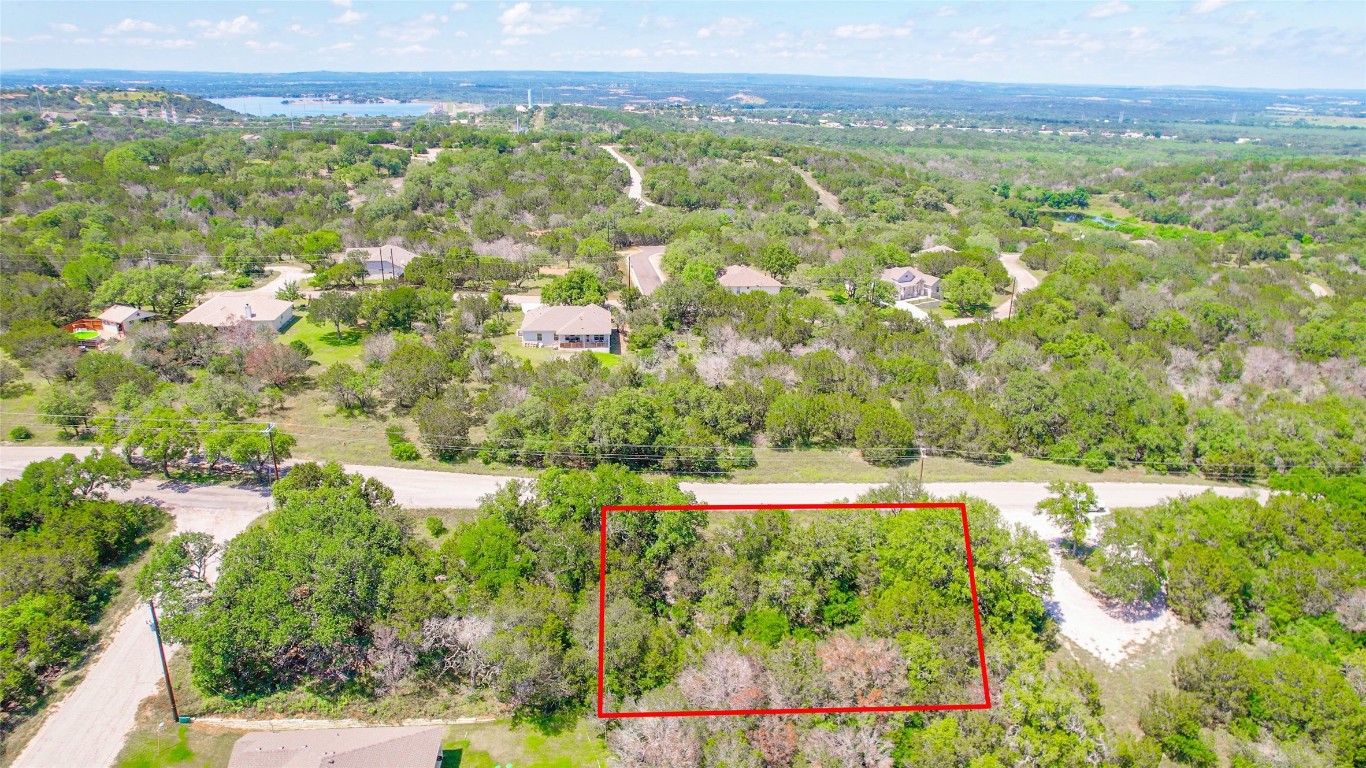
[270,434]
[165,671]
[922,465]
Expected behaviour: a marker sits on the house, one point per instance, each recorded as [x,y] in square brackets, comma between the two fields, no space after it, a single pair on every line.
[115,320]
[228,309]
[743,279]
[938,249]
[559,327]
[911,283]
[387,747]
[385,262]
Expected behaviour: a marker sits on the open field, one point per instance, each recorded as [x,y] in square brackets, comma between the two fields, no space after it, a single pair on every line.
[322,339]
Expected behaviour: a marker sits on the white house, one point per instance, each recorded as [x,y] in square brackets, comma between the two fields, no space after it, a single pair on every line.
[227,309]
[560,327]
[115,320]
[743,279]
[385,262]
[910,283]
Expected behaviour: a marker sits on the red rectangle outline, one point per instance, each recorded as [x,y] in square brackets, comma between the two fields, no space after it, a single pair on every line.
[602,611]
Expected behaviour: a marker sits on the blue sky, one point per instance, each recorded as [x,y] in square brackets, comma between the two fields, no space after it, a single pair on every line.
[1241,43]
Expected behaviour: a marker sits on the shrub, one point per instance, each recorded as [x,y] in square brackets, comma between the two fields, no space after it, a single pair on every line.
[241,281]
[394,434]
[404,451]
[300,346]
[20,433]
[435,527]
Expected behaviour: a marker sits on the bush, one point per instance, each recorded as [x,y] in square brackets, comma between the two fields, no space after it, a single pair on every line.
[241,281]
[404,451]
[435,527]
[298,345]
[20,433]
[394,434]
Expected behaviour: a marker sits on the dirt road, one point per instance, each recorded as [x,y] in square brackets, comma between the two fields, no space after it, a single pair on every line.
[636,190]
[644,265]
[827,200]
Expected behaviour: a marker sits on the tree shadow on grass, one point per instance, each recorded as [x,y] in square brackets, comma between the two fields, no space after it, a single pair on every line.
[348,338]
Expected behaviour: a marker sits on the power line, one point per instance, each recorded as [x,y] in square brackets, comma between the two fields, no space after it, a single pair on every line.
[455,441]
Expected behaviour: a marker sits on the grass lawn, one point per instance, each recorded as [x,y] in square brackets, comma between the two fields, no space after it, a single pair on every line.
[161,745]
[484,745]
[322,339]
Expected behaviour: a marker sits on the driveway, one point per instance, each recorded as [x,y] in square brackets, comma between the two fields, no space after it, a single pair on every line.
[644,264]
[1024,281]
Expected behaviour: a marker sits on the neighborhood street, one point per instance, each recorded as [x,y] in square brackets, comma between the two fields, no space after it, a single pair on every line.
[644,265]
[88,726]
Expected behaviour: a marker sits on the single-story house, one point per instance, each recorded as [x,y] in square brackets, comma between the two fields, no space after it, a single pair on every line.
[938,249]
[227,309]
[910,283]
[744,279]
[115,320]
[384,261]
[562,327]
[386,747]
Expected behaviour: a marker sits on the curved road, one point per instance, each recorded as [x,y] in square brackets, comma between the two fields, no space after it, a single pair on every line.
[88,726]
[635,191]
[644,265]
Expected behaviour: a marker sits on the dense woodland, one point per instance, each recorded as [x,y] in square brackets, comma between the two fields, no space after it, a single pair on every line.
[1198,314]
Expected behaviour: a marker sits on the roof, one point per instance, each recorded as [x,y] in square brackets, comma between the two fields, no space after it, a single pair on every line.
[396,254]
[414,747]
[227,308]
[120,313]
[908,275]
[741,276]
[938,249]
[590,320]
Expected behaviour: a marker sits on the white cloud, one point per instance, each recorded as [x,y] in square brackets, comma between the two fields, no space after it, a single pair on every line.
[411,49]
[64,27]
[134,25]
[7,39]
[415,30]
[521,19]
[1246,17]
[946,10]
[336,47]
[514,41]
[1106,10]
[633,53]
[274,45]
[146,42]
[871,31]
[242,25]
[349,17]
[663,22]
[342,3]
[727,26]
[460,7]
[976,36]
[1209,6]
[300,29]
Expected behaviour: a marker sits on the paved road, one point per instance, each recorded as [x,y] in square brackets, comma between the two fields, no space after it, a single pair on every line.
[645,272]
[636,190]
[1024,281]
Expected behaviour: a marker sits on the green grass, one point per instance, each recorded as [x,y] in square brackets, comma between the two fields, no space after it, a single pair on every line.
[484,745]
[322,339]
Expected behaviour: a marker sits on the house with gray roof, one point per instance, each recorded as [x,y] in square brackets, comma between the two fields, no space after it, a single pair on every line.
[911,283]
[389,747]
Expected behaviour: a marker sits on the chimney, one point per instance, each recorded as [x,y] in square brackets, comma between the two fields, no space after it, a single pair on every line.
[249,315]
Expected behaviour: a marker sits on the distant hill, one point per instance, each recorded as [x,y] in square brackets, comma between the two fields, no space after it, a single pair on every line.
[67,102]
[1036,102]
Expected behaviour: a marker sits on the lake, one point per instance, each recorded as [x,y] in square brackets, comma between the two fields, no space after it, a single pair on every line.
[265,106]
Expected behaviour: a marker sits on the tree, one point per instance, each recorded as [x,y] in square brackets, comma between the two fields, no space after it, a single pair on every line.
[1070,508]
[413,372]
[578,287]
[162,435]
[167,289]
[778,260]
[176,576]
[276,364]
[349,389]
[967,289]
[70,408]
[930,199]
[883,435]
[321,243]
[336,308]
[443,423]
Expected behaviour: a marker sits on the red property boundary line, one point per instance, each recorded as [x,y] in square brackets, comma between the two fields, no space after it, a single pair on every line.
[602,611]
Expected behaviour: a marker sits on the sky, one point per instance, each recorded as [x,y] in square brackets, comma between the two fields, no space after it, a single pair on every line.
[1235,43]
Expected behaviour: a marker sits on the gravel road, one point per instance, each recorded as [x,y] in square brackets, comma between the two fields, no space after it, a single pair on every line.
[636,190]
